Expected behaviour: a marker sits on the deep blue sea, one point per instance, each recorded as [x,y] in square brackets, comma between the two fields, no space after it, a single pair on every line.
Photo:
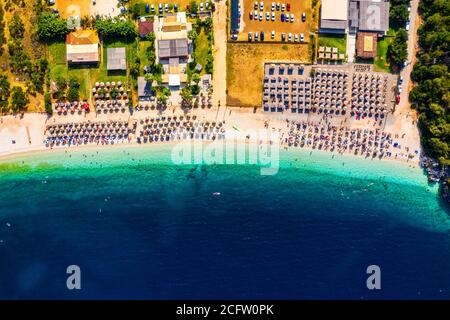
[141,227]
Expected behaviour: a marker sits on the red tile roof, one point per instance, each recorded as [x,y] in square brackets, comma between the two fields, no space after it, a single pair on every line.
[145,27]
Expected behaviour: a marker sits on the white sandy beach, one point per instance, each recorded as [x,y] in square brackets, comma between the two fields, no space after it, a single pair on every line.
[28,133]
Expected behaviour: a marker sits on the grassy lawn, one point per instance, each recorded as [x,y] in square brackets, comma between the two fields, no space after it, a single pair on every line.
[56,53]
[143,46]
[337,41]
[87,75]
[201,49]
[380,62]
[104,75]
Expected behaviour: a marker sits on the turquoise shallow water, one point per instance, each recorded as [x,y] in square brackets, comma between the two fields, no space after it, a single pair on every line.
[141,227]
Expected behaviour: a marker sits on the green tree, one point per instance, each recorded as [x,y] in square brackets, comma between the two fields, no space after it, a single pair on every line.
[162,94]
[186,96]
[192,35]
[4,92]
[193,8]
[398,14]
[16,27]
[196,78]
[19,99]
[109,29]
[398,49]
[48,103]
[74,89]
[135,10]
[50,27]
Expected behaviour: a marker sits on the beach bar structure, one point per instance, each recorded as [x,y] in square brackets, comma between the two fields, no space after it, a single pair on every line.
[366,45]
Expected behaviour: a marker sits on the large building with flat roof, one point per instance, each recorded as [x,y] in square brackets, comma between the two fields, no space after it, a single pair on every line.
[333,16]
[373,16]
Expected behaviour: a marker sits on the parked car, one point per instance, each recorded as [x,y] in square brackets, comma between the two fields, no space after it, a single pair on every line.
[292,17]
[295,37]
[201,6]
[249,36]
[250,15]
[273,16]
[261,35]
[147,8]
[166,7]
[407,26]
[290,37]
[255,15]
[278,6]
[399,88]
[283,36]
[287,17]
[273,34]
[256,36]
[397,99]
[160,8]
[409,7]
[282,17]
[260,16]
[256,5]
[273,6]
[261,5]
[288,7]
[303,17]
[302,38]
[267,16]
[400,80]
[283,7]
[234,37]
[152,8]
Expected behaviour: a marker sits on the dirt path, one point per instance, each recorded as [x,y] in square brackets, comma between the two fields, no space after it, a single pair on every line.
[220,53]
[405,119]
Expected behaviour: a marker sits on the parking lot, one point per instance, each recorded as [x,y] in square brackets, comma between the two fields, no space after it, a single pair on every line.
[267,16]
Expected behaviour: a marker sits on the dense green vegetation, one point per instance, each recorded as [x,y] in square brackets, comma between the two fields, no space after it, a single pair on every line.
[4,93]
[397,51]
[393,49]
[2,29]
[398,13]
[19,99]
[431,94]
[203,38]
[154,71]
[50,27]
[110,28]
